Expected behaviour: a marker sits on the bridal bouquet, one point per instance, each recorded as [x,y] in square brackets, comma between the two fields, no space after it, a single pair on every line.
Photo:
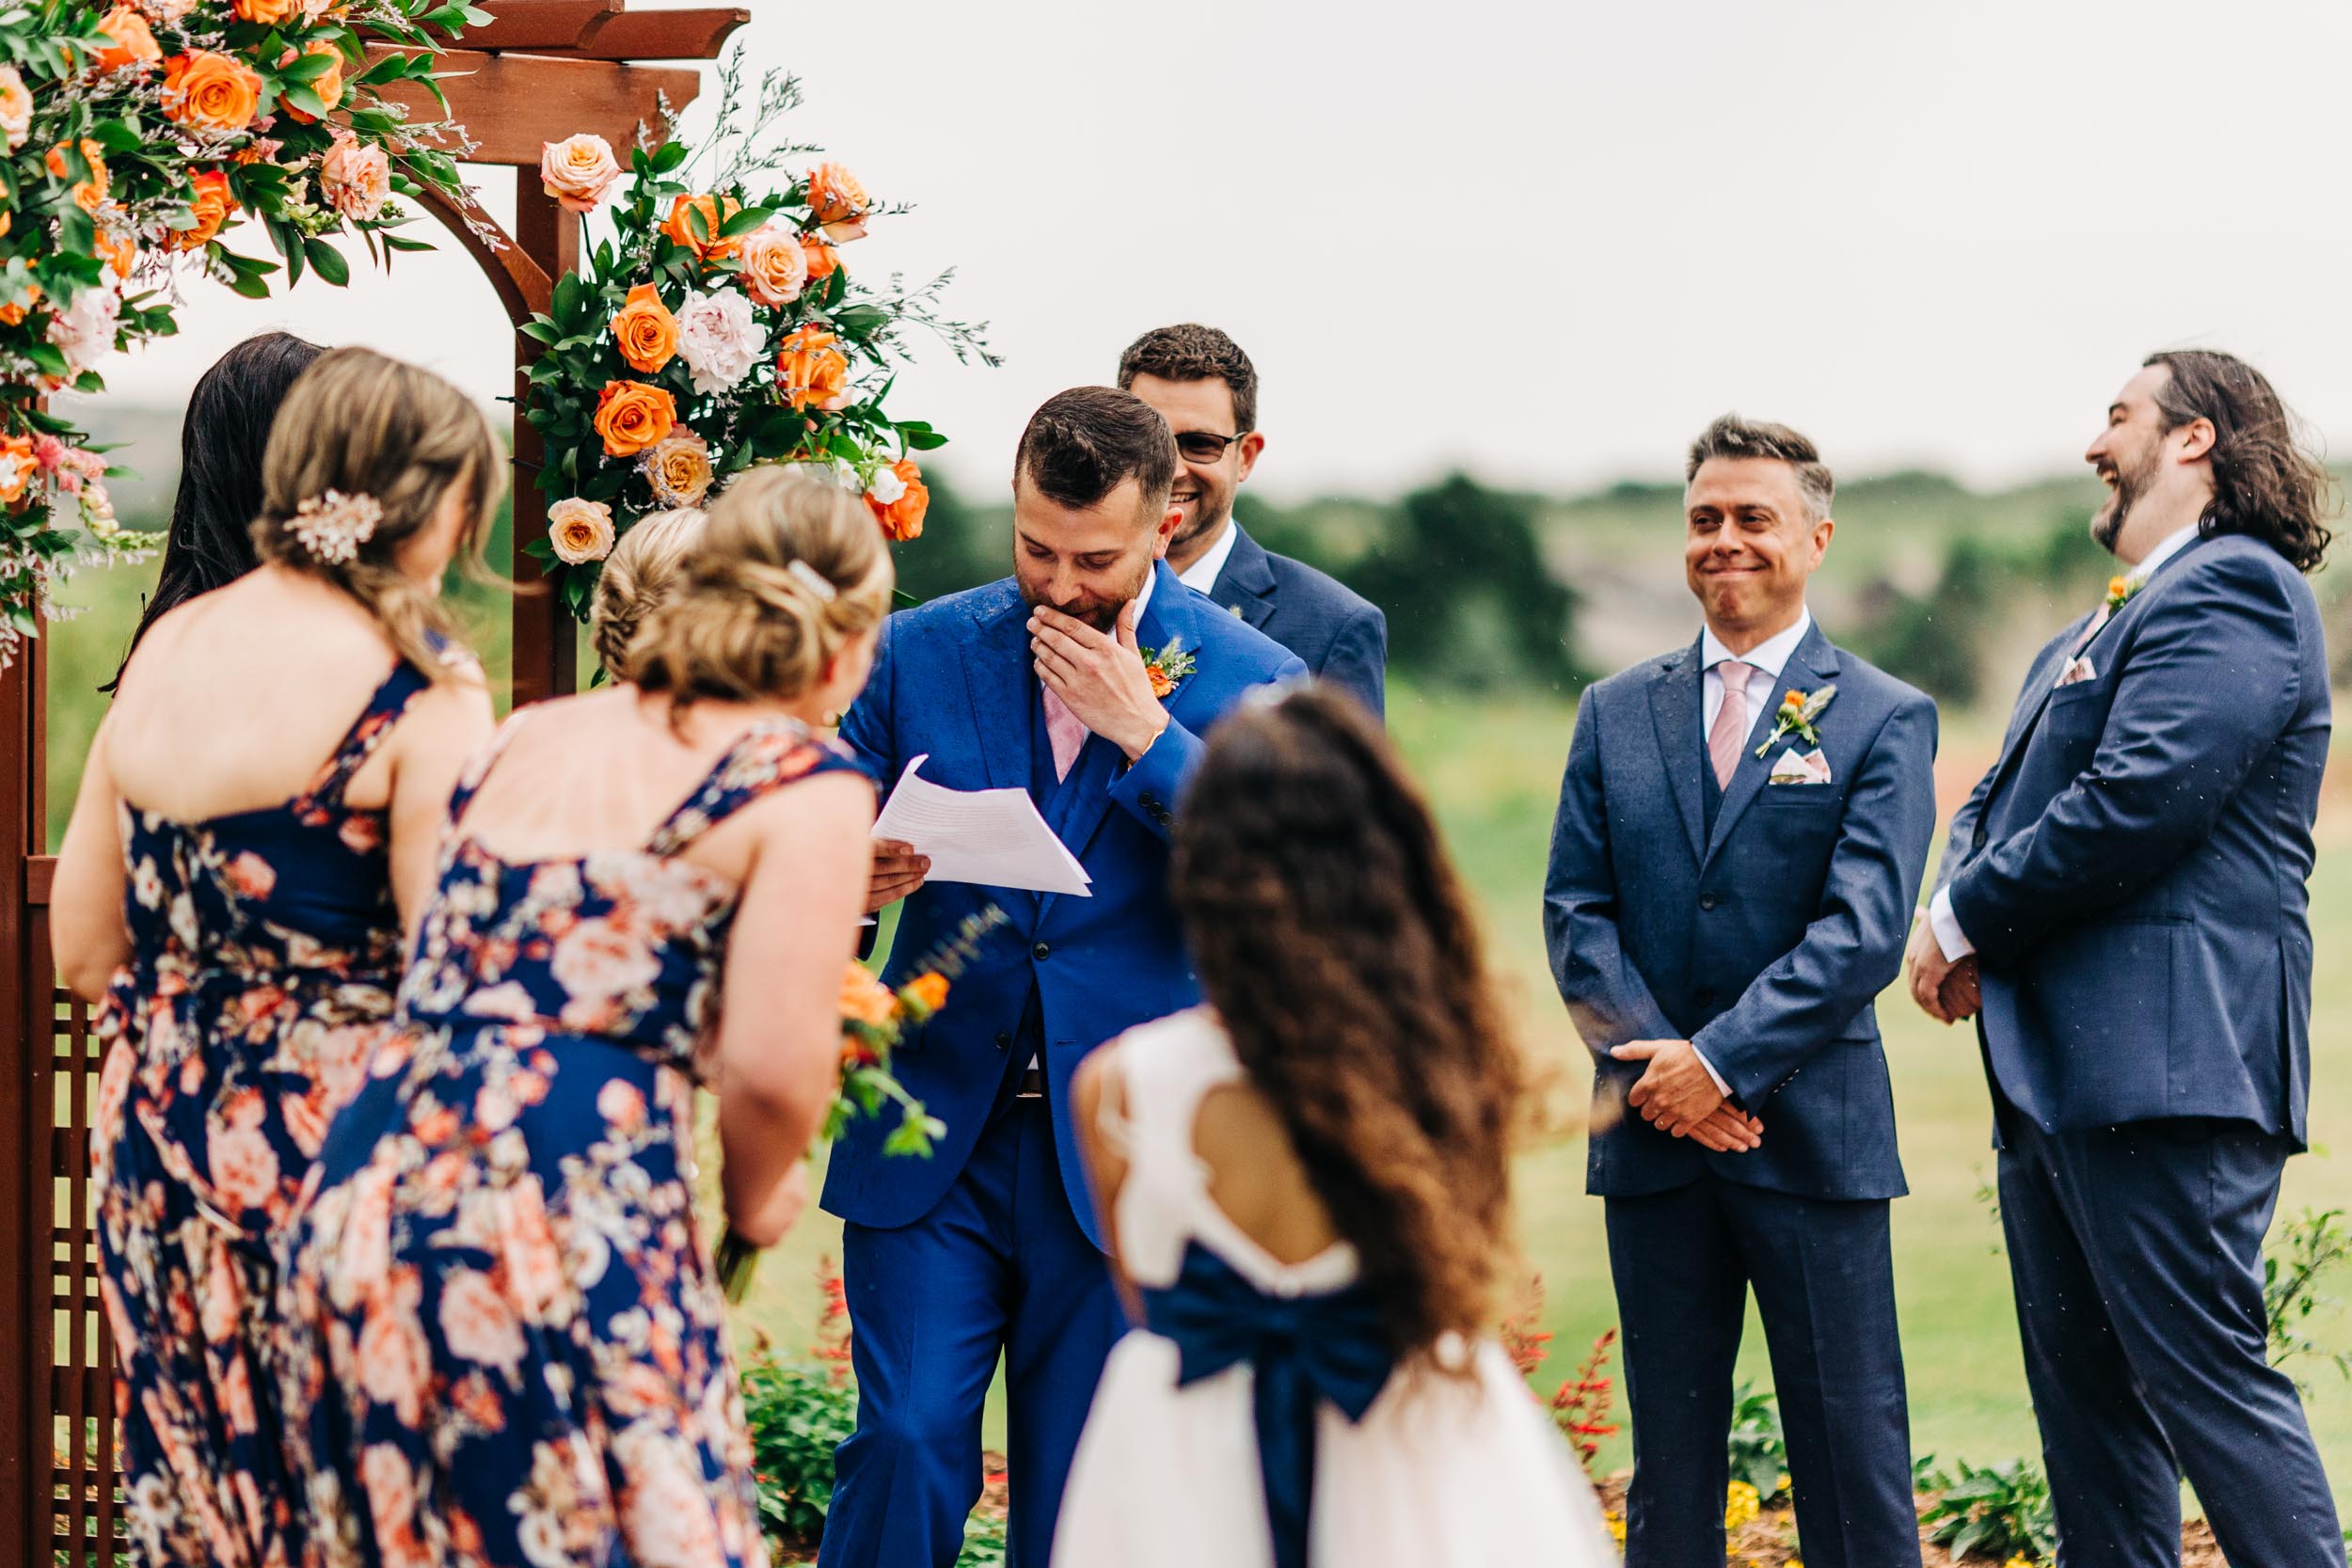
[714,324]
[873,1019]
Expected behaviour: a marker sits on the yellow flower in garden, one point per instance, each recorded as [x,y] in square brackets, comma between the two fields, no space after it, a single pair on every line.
[1740,1504]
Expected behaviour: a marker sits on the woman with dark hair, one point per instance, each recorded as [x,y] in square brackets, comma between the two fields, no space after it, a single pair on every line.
[1309,1178]
[221,441]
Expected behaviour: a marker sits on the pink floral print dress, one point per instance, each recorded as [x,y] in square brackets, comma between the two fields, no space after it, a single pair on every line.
[507,1343]
[265,958]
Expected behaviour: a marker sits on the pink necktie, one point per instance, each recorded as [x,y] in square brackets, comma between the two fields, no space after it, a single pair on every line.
[1731,720]
[2107,612]
[1067,731]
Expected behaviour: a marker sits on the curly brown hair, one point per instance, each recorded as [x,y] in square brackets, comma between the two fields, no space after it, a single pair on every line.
[1339,948]
[2265,483]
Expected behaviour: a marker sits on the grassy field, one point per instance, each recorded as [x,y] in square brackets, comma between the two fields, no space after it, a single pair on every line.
[1492,767]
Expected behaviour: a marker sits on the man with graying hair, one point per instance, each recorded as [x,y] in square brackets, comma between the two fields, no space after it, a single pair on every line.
[1740,837]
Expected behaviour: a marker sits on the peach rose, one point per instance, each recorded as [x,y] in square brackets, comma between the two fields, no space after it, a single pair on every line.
[577,170]
[838,203]
[775,268]
[900,504]
[823,261]
[809,370]
[330,87]
[89,194]
[644,331]
[120,248]
[864,999]
[210,202]
[268,12]
[16,107]
[134,44]
[207,91]
[679,469]
[632,415]
[715,211]
[356,178]
[579,531]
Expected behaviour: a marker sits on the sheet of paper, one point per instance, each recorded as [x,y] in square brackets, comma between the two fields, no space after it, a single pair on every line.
[994,837]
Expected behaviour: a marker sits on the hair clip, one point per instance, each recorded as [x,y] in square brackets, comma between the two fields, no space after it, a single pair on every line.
[332,526]
[811,578]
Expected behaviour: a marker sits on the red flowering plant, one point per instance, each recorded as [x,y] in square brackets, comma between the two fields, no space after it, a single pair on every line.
[713,325]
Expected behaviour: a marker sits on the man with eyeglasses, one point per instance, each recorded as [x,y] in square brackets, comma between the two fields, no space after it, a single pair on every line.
[1206,389]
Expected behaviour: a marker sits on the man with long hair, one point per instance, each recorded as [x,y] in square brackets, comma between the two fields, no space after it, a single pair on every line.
[1743,829]
[2123,907]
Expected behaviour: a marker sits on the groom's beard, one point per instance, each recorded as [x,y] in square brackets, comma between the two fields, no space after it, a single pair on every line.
[1100,613]
[2130,484]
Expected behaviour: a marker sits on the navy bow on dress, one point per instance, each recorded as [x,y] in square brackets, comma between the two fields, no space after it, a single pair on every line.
[1304,1350]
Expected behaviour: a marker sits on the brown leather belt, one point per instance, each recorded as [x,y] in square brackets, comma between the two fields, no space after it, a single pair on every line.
[1032,1086]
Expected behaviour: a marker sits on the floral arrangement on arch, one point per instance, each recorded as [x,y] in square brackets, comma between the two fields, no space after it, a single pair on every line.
[131,134]
[717,325]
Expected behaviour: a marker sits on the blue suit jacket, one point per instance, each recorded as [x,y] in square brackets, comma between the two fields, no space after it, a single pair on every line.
[953,679]
[1342,635]
[2133,869]
[1763,942]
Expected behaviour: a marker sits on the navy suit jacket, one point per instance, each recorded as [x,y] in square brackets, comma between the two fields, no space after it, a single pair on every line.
[953,678]
[1342,635]
[2133,869]
[1763,942]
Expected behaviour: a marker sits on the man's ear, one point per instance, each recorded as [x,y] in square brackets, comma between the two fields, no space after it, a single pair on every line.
[1167,530]
[1251,445]
[2197,439]
[1823,532]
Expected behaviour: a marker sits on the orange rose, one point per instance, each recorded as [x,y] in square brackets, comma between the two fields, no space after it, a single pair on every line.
[822,258]
[87,194]
[715,211]
[838,202]
[329,88]
[268,12]
[210,200]
[121,250]
[810,369]
[775,267]
[864,999]
[134,44]
[903,517]
[17,469]
[1162,686]
[11,315]
[211,93]
[929,991]
[631,416]
[644,330]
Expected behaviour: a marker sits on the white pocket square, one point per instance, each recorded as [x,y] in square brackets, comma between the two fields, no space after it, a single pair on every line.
[2081,669]
[1811,769]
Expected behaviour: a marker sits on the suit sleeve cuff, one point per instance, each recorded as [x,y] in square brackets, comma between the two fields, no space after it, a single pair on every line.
[1946,924]
[1721,1087]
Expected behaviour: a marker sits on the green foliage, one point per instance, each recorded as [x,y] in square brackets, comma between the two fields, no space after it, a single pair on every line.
[1759,1454]
[799,1414]
[1997,1512]
[2298,1258]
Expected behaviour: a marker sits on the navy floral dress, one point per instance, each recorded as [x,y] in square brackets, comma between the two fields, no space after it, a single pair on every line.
[509,1347]
[265,956]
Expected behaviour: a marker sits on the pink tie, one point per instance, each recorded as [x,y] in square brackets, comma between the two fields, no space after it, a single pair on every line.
[2107,612]
[1065,729]
[1731,720]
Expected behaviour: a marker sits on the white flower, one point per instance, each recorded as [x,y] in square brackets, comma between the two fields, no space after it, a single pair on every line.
[886,487]
[85,331]
[719,339]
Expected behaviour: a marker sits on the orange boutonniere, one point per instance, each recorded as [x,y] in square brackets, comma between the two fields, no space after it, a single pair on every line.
[1797,713]
[2119,592]
[1168,667]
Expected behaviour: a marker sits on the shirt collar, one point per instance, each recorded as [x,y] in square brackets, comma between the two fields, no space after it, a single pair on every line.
[1770,656]
[1202,574]
[1143,599]
[2170,545]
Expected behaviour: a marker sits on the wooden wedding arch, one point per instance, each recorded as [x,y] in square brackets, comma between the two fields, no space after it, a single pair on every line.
[540,70]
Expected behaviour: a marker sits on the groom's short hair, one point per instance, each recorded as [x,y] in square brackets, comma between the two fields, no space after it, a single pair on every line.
[1191,352]
[1732,437]
[1086,442]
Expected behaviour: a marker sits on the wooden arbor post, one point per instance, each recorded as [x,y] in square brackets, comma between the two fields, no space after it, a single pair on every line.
[541,70]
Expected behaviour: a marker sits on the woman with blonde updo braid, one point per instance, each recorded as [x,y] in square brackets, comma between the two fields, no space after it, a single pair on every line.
[637,576]
[458,1364]
[233,885]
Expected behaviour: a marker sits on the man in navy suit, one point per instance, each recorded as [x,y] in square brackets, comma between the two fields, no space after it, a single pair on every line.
[2123,907]
[990,1246]
[1206,389]
[1740,837]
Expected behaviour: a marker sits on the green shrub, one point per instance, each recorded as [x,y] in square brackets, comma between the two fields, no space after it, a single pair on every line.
[1759,1455]
[799,1414]
[2000,1512]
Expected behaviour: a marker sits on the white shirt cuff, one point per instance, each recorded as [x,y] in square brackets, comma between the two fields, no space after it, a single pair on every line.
[1948,936]
[1721,1087]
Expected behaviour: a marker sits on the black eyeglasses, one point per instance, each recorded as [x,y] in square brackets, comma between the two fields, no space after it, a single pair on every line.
[1205,445]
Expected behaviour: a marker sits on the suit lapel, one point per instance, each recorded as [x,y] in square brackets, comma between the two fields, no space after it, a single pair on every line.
[996,676]
[1674,712]
[1818,662]
[1246,583]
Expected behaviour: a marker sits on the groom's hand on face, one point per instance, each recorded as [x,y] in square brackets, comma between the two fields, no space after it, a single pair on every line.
[897,871]
[1099,677]
[1675,1092]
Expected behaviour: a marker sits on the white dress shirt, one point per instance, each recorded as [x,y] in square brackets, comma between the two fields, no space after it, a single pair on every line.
[1765,662]
[1202,572]
[1948,936]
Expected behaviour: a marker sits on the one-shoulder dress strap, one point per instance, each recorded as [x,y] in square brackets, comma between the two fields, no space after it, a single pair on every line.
[477,769]
[763,759]
[367,733]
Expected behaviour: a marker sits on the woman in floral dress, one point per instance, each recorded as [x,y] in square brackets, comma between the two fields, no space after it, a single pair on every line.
[509,1347]
[231,891]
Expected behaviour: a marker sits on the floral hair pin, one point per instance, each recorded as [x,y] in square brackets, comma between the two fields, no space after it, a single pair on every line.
[332,526]
[811,578]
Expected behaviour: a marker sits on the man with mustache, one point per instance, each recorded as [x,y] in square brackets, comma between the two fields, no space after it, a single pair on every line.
[2123,907]
[1087,678]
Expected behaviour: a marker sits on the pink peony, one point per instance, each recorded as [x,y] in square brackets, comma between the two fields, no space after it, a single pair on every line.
[356,178]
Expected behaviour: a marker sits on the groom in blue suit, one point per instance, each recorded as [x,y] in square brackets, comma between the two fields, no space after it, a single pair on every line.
[1087,678]
[2123,907]
[1740,837]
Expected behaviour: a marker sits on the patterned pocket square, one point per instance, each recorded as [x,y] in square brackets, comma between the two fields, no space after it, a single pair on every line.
[1811,769]
[2080,670]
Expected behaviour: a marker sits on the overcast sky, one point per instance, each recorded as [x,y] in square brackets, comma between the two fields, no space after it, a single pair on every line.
[1548,241]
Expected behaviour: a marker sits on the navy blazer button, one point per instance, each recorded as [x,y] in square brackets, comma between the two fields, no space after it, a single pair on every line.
[1041,951]
[1708,900]
[1004,1042]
